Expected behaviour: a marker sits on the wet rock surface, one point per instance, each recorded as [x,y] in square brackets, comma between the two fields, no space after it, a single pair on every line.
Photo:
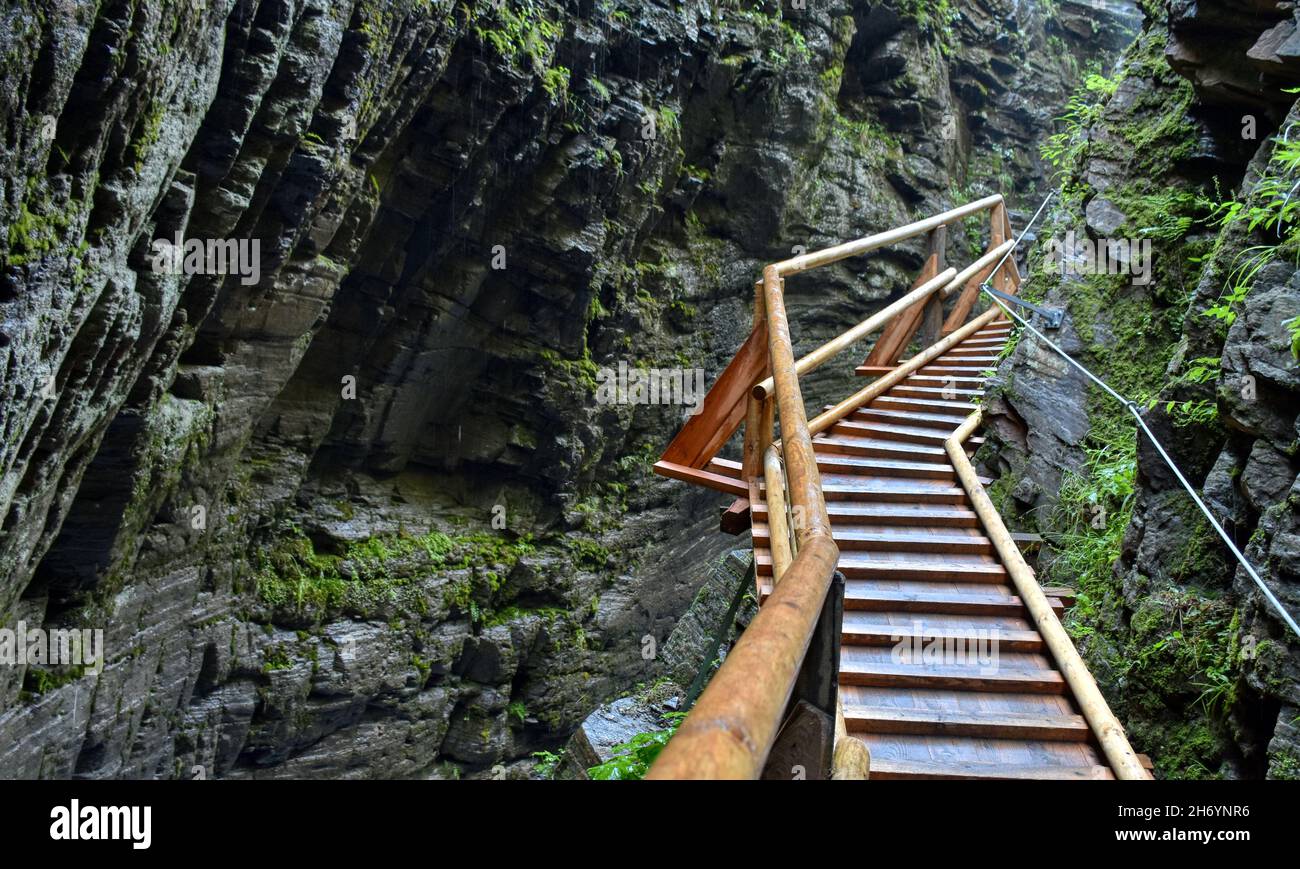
[363,516]
[1193,659]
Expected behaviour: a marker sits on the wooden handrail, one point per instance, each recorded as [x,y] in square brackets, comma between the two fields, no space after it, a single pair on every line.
[778,529]
[730,732]
[827,351]
[1114,744]
[934,351]
[826,256]
[979,270]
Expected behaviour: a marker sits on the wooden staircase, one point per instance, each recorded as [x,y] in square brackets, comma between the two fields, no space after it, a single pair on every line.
[919,570]
[942,658]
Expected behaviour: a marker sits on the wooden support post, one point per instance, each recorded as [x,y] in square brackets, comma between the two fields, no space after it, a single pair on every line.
[852,760]
[779,530]
[966,301]
[803,748]
[757,437]
[898,334]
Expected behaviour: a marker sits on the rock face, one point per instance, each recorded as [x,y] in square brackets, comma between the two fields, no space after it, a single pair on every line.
[1197,664]
[351,508]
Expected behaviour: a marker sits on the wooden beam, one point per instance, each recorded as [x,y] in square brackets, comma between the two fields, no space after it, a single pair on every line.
[707,479]
[724,406]
[736,518]
[970,295]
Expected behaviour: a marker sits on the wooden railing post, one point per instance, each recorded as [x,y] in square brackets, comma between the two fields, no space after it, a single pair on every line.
[998,225]
[898,334]
[758,431]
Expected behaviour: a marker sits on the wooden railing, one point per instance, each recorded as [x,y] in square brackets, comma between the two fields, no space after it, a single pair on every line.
[734,724]
[1110,733]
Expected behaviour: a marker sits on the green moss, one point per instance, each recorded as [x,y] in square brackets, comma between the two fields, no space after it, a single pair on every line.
[583,369]
[381,573]
[517,30]
[150,130]
[276,658]
[587,552]
[1284,766]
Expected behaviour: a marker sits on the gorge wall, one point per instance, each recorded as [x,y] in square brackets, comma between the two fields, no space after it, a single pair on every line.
[1184,148]
[363,516]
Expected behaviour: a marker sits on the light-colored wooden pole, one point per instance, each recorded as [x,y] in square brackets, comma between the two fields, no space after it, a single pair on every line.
[883,239]
[803,482]
[887,382]
[851,760]
[757,435]
[827,351]
[729,733]
[977,272]
[1110,734]
[778,529]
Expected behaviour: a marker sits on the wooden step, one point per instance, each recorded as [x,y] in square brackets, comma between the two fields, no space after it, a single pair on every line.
[860,595]
[891,635]
[898,431]
[935,406]
[894,490]
[880,674]
[912,418]
[845,464]
[903,770]
[885,538]
[940,722]
[943,515]
[953,568]
[973,383]
[944,393]
[934,369]
[969,349]
[885,448]
[960,367]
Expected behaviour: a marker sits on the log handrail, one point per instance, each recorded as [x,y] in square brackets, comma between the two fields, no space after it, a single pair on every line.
[829,255]
[732,728]
[1110,733]
[827,351]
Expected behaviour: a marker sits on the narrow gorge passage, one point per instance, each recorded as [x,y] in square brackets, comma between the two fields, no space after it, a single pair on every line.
[395,390]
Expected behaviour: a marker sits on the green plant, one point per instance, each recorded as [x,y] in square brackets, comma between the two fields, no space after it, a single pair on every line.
[1293,329]
[633,758]
[1064,148]
[547,762]
[1273,207]
[555,81]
